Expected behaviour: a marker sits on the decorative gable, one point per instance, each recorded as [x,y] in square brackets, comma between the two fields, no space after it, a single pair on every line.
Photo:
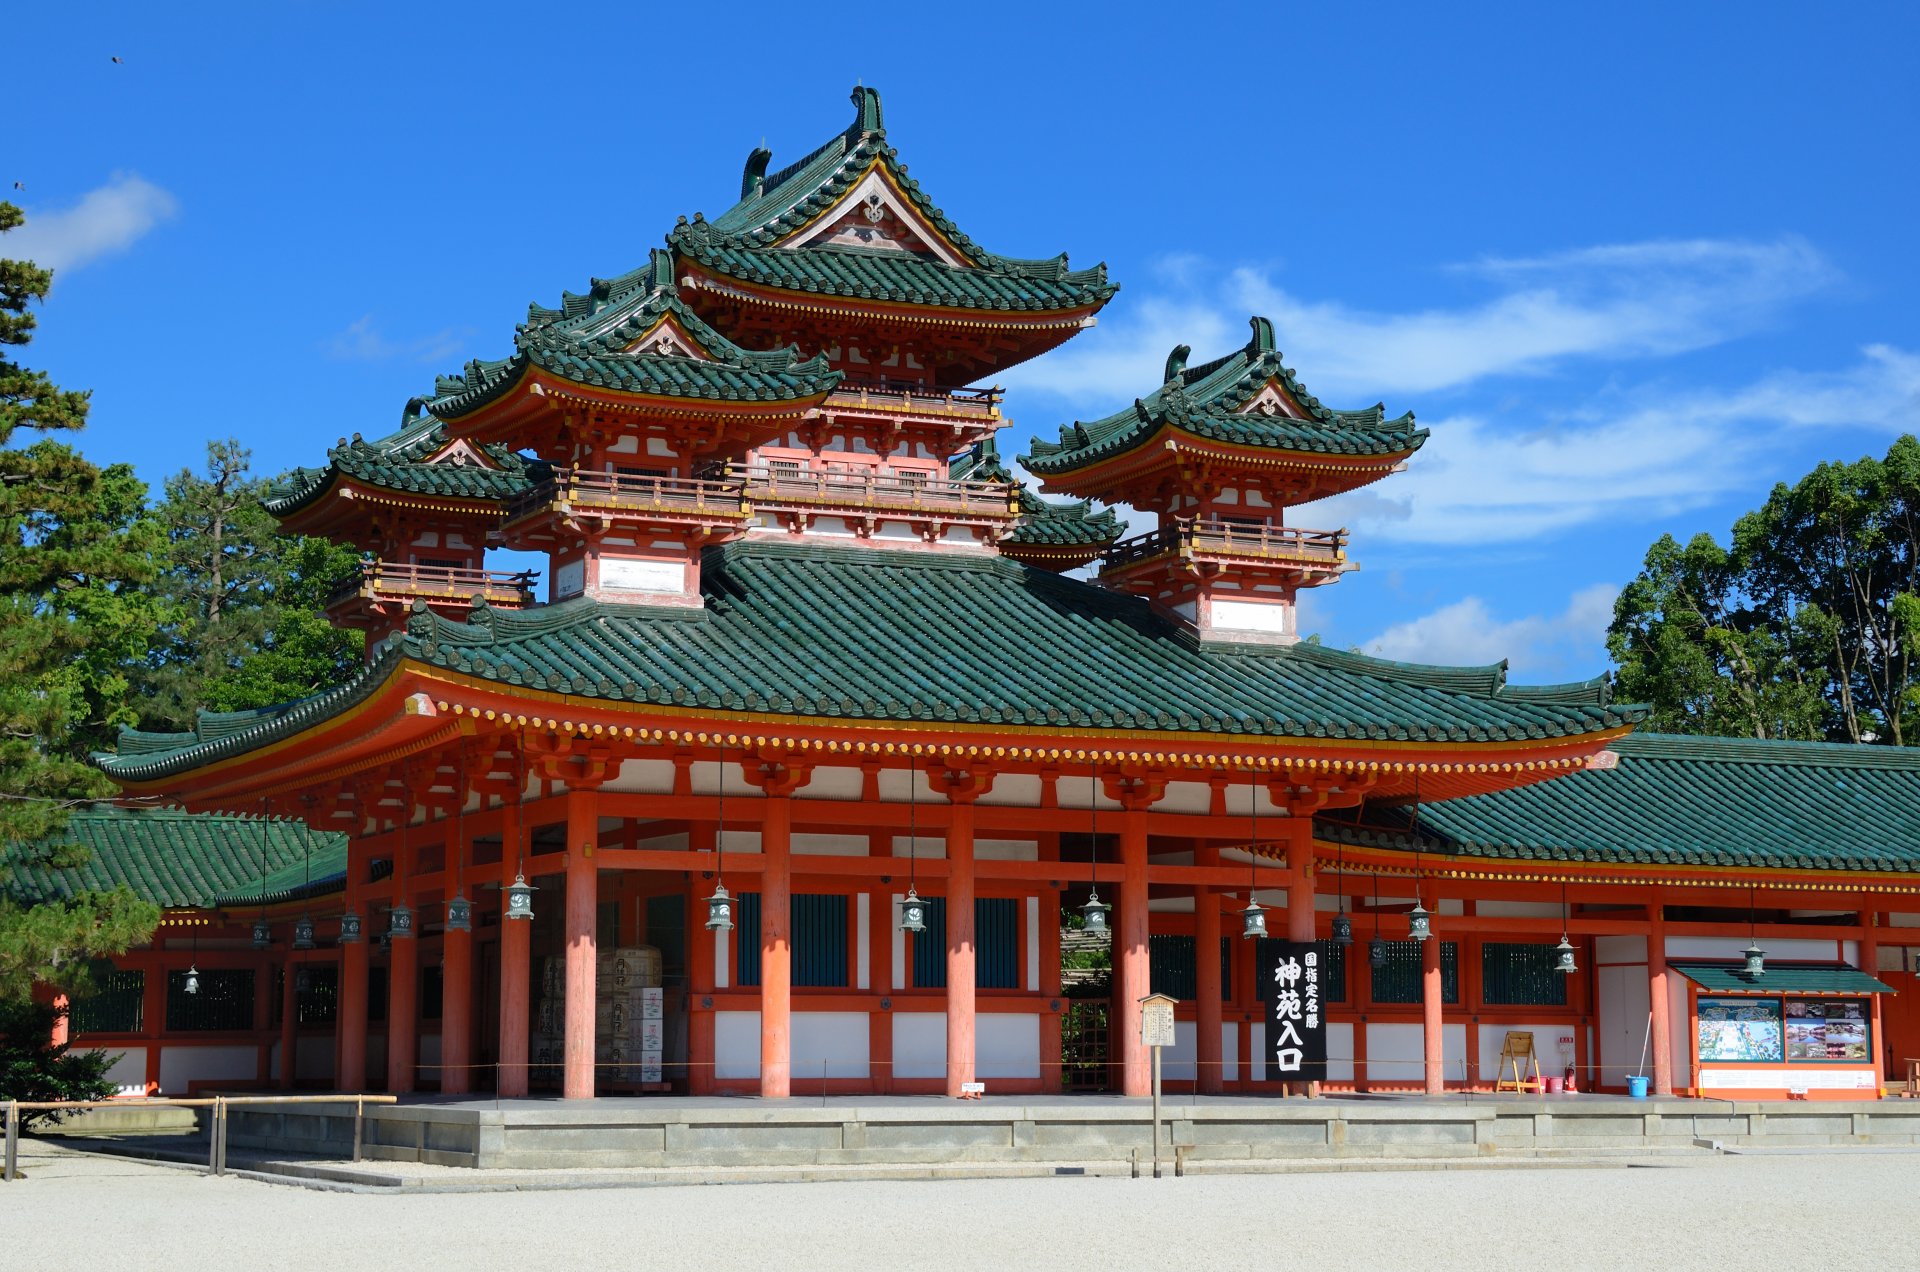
[873,214]
[1274,401]
[461,453]
[668,339]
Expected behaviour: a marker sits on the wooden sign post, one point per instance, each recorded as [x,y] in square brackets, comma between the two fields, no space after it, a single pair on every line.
[1156,1031]
[1516,1053]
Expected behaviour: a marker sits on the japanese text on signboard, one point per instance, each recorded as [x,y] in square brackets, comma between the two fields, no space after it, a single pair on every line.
[1296,1047]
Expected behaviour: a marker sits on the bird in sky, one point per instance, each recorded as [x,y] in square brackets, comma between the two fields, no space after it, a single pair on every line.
[19,185]
[118,62]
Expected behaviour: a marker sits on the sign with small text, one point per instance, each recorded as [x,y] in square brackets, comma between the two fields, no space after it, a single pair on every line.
[1296,1049]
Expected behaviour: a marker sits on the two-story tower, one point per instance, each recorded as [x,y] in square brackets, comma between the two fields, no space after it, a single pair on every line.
[1220,452]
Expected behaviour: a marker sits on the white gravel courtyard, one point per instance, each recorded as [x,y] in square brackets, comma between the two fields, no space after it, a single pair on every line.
[1854,1209]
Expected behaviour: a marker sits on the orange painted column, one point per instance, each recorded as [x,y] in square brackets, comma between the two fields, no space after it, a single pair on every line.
[583,901]
[1208,1077]
[1432,998]
[62,1032]
[960,946]
[776,949]
[700,969]
[403,1012]
[352,1066]
[1659,1002]
[516,967]
[456,1012]
[289,1023]
[1131,969]
[1870,964]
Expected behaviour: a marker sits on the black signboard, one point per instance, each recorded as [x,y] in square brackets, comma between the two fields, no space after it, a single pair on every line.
[1292,986]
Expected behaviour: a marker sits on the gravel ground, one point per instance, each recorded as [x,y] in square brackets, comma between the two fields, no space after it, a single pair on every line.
[1830,1209]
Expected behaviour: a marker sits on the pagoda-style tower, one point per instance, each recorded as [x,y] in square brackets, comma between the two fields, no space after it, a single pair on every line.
[423,507]
[1220,452]
[1055,536]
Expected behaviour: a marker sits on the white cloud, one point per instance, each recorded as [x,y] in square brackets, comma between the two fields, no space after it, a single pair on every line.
[1465,633]
[1613,301]
[363,341]
[1645,456]
[106,220]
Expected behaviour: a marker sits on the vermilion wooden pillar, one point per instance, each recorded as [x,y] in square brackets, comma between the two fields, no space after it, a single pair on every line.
[776,950]
[1208,1076]
[1131,968]
[1432,998]
[1659,1000]
[456,1013]
[960,945]
[516,971]
[289,1023]
[403,1013]
[583,898]
[352,1066]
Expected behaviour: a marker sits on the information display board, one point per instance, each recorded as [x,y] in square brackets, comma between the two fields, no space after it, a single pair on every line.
[1828,1029]
[1740,1029]
[1296,1026]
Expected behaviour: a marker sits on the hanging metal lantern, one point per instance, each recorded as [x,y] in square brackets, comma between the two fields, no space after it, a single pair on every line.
[459,914]
[1342,930]
[349,928]
[1253,920]
[913,912]
[262,934]
[1756,962]
[1094,912]
[1377,952]
[1419,923]
[303,980]
[1563,956]
[193,979]
[519,899]
[720,909]
[303,933]
[400,922]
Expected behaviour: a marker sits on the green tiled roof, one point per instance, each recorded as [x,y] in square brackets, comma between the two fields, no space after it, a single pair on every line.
[1206,401]
[871,634]
[1043,522]
[1782,978]
[1690,801]
[173,858]
[738,242]
[585,341]
[394,463]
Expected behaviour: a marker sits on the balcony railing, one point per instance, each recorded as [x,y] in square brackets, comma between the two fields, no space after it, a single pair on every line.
[892,492]
[375,579]
[1217,537]
[680,497]
[907,397]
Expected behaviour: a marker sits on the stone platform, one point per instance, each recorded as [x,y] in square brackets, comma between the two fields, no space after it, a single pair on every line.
[1208,1132]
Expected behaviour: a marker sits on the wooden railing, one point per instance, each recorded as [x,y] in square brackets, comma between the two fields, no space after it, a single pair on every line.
[1214,536]
[442,582]
[908,397]
[772,485]
[636,492]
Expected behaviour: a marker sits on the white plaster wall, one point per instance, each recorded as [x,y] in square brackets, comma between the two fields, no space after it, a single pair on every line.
[1019,790]
[1620,949]
[676,842]
[1185,797]
[643,777]
[128,1072]
[1033,945]
[933,848]
[736,1044]
[1397,1053]
[862,940]
[830,1044]
[1728,948]
[1006,850]
[1181,1060]
[831,783]
[815,845]
[1006,1045]
[1518,909]
[1229,1051]
[920,1044]
[180,1066]
[722,959]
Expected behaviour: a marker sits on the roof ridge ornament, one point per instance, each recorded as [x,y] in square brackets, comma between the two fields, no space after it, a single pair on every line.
[753,182]
[1176,363]
[868,119]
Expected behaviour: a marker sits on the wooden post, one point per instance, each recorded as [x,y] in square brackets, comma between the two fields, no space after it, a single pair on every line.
[516,957]
[11,1170]
[403,1013]
[961,962]
[1659,1000]
[1131,968]
[776,950]
[582,906]
[1209,1072]
[1432,1000]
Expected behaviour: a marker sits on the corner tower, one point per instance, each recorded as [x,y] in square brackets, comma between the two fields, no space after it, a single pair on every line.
[1220,452]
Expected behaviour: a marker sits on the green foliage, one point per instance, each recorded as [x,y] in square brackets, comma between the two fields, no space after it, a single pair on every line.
[243,626]
[73,621]
[32,1068]
[1807,626]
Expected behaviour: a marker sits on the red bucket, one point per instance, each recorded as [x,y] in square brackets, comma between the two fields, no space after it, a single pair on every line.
[1555,1085]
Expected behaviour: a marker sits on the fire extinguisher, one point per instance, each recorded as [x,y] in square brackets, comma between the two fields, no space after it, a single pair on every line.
[1570,1085]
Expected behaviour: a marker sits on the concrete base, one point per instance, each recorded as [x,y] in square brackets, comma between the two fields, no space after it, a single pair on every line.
[673,1132]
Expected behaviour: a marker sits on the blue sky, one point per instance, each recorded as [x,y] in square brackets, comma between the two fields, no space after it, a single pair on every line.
[1631,265]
